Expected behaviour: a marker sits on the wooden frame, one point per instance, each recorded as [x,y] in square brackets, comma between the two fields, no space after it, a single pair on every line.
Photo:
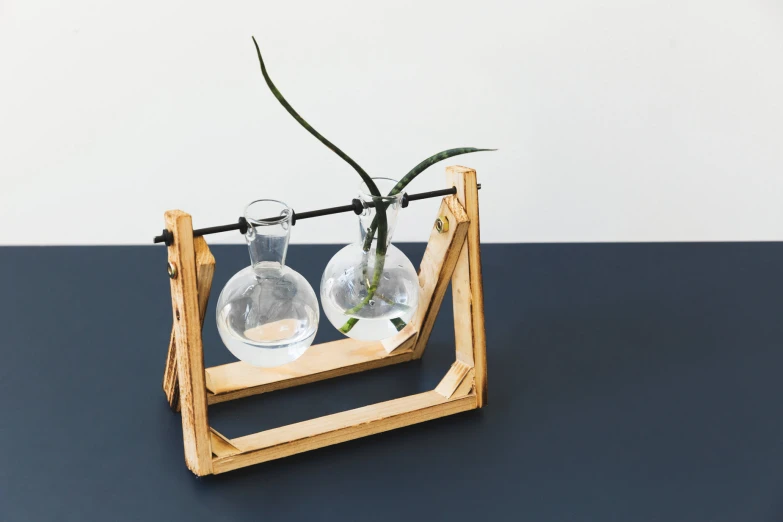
[452,255]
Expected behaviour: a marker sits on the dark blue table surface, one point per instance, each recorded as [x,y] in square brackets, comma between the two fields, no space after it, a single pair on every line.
[626,382]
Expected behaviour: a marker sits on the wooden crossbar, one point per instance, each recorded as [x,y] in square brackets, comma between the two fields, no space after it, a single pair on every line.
[340,427]
[319,362]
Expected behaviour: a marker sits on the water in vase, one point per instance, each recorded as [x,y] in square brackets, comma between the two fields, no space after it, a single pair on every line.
[267,314]
[365,295]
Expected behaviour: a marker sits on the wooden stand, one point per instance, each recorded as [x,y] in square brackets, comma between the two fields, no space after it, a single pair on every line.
[452,254]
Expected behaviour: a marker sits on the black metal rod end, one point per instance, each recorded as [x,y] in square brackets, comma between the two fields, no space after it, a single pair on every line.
[165,237]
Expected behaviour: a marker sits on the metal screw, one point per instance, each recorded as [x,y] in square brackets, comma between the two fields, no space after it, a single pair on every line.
[442,224]
[172,269]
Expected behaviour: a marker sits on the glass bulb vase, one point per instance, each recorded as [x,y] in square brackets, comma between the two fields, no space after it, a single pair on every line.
[267,314]
[370,290]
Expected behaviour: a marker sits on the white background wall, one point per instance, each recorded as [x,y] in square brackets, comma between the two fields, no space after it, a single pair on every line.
[615,120]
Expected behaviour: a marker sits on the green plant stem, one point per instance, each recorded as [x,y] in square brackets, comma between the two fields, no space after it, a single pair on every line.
[334,148]
[350,323]
[382,225]
[380,261]
[398,323]
[410,176]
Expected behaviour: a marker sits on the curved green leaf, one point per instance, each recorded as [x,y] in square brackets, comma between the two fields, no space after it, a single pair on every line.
[432,160]
[410,176]
[334,148]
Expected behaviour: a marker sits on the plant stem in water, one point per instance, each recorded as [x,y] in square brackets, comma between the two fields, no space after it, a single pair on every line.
[375,225]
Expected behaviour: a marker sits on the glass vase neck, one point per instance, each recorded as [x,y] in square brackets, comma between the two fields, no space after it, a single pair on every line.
[371,222]
[268,232]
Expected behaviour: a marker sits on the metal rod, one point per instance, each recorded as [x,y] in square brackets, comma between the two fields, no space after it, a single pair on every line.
[356,207]
[222,228]
[326,211]
[432,194]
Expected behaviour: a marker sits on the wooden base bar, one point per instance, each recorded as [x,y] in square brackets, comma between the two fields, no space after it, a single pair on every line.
[340,427]
[452,256]
[319,362]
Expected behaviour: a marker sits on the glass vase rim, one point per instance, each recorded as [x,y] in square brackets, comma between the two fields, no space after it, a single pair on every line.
[365,194]
[285,213]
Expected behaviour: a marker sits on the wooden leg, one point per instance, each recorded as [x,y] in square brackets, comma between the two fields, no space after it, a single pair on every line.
[436,268]
[466,285]
[190,355]
[205,269]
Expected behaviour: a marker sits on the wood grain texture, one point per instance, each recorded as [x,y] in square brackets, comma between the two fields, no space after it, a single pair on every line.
[319,362]
[453,379]
[405,339]
[467,386]
[437,267]
[221,446]
[205,269]
[469,298]
[461,302]
[190,355]
[340,427]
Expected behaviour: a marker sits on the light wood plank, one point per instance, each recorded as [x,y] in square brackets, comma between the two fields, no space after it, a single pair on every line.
[437,267]
[190,355]
[340,427]
[205,269]
[405,339]
[461,302]
[467,385]
[319,362]
[453,378]
[221,446]
[467,286]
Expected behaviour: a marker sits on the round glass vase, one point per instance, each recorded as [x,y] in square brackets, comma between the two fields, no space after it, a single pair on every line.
[370,291]
[267,314]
